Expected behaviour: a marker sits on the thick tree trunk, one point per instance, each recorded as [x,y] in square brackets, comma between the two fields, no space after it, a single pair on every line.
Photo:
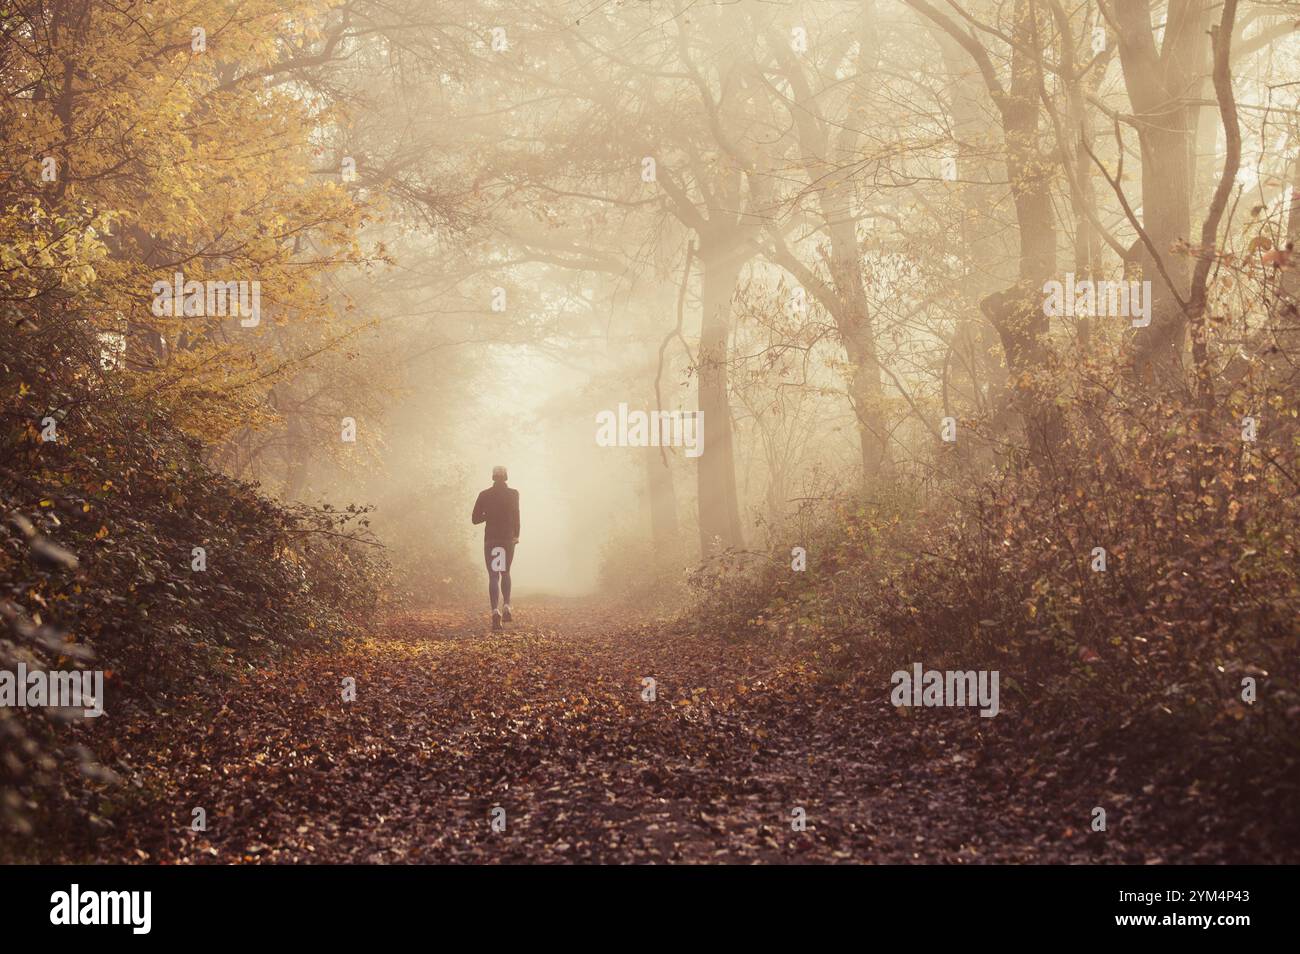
[867,396]
[853,318]
[1167,218]
[1018,313]
[719,507]
[1161,83]
[985,244]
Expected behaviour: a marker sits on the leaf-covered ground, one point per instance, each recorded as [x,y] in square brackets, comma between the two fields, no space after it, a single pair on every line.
[547,721]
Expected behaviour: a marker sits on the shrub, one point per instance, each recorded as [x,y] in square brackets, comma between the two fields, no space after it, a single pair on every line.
[98,531]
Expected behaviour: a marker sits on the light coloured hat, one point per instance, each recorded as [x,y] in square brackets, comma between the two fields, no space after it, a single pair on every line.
[499,472]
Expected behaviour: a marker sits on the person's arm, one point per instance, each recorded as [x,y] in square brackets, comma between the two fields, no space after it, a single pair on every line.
[516,516]
[479,514]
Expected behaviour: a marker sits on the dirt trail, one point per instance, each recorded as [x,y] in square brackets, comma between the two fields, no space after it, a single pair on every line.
[547,721]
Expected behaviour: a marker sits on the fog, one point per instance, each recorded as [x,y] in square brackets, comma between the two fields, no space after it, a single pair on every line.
[573,496]
[822,340]
[764,214]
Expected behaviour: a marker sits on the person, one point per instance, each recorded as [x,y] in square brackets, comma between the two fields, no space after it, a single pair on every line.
[498,508]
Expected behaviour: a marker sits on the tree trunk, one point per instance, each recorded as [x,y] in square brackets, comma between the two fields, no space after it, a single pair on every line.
[1017,313]
[985,246]
[1160,84]
[719,507]
[867,396]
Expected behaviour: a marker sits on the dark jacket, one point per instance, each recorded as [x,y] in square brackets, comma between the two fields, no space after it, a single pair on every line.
[499,507]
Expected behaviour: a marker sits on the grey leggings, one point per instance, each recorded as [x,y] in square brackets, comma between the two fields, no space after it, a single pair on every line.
[498,578]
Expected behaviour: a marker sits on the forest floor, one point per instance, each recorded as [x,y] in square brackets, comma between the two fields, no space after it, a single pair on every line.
[547,721]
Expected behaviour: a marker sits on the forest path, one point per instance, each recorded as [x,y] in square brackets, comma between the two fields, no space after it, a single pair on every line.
[547,721]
